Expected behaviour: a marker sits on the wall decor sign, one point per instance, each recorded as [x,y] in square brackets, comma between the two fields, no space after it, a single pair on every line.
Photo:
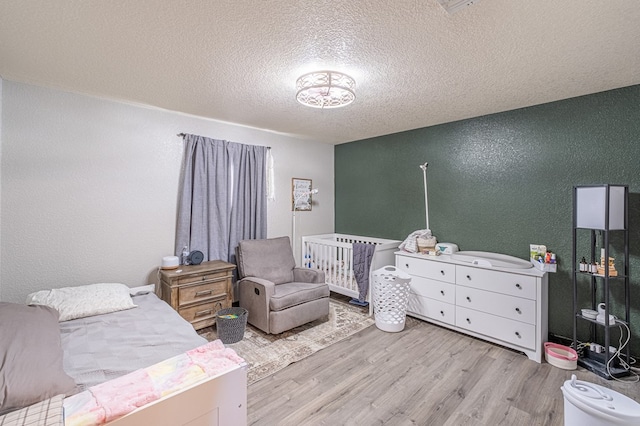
[300,194]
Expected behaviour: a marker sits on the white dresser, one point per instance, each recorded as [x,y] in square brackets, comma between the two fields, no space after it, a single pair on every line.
[504,306]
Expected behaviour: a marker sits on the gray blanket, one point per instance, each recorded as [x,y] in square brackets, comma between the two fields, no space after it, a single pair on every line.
[103,347]
[362,255]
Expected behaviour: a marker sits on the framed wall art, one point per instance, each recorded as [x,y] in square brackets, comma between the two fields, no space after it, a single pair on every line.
[300,194]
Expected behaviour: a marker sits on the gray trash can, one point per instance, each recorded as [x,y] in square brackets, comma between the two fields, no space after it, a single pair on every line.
[230,324]
[390,295]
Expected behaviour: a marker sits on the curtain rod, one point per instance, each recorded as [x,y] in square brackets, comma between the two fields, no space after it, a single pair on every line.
[182,135]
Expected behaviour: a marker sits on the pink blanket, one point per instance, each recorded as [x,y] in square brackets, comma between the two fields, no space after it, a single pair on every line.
[113,399]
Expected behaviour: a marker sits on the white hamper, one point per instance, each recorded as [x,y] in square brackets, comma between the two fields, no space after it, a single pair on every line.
[588,404]
[390,295]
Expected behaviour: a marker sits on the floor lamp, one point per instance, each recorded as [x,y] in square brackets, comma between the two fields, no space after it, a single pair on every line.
[300,197]
[426,199]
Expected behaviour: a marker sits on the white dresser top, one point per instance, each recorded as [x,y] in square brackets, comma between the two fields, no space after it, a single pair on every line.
[446,258]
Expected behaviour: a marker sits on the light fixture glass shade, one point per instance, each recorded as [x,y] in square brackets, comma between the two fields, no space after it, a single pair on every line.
[325,89]
[591,207]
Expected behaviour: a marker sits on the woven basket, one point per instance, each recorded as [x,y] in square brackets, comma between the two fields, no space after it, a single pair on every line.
[231,330]
[426,243]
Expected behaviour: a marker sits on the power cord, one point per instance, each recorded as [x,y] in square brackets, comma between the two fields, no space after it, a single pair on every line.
[618,353]
[581,346]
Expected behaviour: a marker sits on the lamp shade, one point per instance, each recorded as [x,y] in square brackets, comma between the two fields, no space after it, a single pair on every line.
[591,206]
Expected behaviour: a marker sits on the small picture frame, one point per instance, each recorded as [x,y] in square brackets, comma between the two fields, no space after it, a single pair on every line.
[301,194]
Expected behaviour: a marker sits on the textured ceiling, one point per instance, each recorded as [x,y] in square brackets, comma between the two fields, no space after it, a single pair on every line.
[415,65]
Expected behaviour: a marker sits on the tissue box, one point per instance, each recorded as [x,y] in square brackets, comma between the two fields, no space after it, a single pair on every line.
[544,267]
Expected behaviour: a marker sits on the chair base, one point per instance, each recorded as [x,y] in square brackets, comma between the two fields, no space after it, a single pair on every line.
[280,321]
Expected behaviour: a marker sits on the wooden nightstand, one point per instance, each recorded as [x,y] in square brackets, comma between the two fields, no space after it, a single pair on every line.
[197,292]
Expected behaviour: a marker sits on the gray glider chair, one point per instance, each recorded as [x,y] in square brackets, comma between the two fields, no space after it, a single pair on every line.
[278,295]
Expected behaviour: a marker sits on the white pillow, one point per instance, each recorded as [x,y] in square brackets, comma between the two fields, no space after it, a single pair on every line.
[143,289]
[84,301]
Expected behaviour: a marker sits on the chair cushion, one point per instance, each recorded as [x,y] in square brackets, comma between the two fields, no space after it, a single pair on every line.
[292,294]
[270,259]
[296,316]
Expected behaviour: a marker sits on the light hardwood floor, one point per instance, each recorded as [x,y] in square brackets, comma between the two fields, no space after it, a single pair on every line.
[424,375]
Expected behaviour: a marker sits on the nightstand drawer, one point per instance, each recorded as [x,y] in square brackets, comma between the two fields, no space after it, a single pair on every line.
[201,292]
[197,292]
[198,278]
[203,311]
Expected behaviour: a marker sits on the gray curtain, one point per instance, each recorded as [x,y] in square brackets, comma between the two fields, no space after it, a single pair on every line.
[222,196]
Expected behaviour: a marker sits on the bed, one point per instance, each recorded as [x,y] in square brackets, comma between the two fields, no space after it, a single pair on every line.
[139,364]
[333,254]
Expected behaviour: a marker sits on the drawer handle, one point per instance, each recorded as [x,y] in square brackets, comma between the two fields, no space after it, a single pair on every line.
[469,277]
[468,299]
[468,320]
[442,272]
[518,334]
[204,278]
[442,292]
[406,265]
[203,293]
[518,286]
[442,313]
[202,313]
[518,310]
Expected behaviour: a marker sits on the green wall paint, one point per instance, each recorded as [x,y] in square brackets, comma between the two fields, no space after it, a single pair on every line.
[500,182]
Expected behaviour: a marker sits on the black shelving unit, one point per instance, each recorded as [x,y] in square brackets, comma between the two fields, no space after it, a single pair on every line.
[602,212]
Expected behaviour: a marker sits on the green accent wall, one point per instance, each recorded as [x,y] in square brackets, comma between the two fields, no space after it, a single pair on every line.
[501,182]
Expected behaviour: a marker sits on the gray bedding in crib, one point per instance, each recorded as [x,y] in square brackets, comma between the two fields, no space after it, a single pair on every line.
[103,347]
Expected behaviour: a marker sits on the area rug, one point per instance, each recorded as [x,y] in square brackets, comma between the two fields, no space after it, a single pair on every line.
[267,353]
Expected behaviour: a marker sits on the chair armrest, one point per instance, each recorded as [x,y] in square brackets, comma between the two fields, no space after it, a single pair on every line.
[306,275]
[266,288]
[255,294]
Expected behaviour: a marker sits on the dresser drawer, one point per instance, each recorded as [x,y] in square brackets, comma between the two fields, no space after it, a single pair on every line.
[198,278]
[203,311]
[201,292]
[434,309]
[496,281]
[438,290]
[514,332]
[427,268]
[197,292]
[515,308]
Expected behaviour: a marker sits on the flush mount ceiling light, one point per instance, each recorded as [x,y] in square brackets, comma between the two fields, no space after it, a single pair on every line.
[325,89]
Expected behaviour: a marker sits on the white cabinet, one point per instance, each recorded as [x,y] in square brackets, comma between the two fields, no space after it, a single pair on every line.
[504,306]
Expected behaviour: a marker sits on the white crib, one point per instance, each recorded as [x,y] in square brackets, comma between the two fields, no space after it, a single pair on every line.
[333,254]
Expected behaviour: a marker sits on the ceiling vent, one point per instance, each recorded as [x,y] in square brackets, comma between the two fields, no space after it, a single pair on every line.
[453,6]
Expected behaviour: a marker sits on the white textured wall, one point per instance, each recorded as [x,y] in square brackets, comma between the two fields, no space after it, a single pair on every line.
[89,187]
